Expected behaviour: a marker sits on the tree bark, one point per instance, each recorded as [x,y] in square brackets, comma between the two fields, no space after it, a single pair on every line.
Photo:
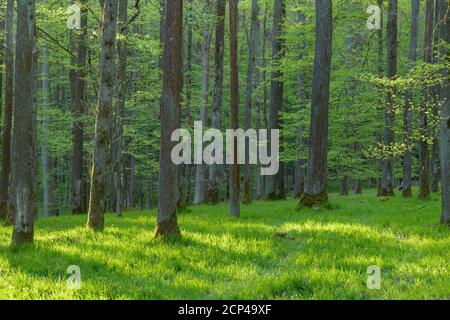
[214,183]
[77,87]
[235,208]
[120,106]
[166,224]
[425,179]
[201,172]
[316,179]
[252,51]
[387,188]
[25,133]
[275,184]
[100,163]
[444,34]
[344,186]
[408,115]
[7,117]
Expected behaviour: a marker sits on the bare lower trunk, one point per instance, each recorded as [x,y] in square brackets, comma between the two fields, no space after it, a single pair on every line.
[7,118]
[275,184]
[444,34]
[235,209]
[316,179]
[166,224]
[25,134]
[387,186]
[100,163]
[77,87]
[214,183]
[344,186]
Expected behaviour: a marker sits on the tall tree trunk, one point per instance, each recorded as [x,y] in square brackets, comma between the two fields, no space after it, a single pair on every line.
[252,51]
[235,206]
[120,105]
[259,177]
[316,179]
[392,35]
[100,163]
[166,224]
[77,87]
[25,133]
[380,70]
[408,115]
[425,179]
[265,90]
[214,183]
[275,184]
[201,171]
[48,162]
[7,117]
[444,34]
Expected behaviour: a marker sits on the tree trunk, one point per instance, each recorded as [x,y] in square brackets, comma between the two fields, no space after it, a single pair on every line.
[408,115]
[48,162]
[380,71]
[77,87]
[252,51]
[100,163]
[275,184]
[120,106]
[444,34]
[7,118]
[316,179]
[214,183]
[235,206]
[25,133]
[425,179]
[167,224]
[201,172]
[387,188]
[344,186]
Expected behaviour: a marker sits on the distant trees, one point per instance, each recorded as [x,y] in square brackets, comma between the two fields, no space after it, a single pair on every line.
[166,224]
[316,178]
[25,122]
[101,160]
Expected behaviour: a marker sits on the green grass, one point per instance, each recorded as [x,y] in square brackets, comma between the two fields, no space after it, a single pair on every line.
[325,254]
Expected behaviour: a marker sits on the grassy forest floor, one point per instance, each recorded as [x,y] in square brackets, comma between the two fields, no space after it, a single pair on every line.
[272,252]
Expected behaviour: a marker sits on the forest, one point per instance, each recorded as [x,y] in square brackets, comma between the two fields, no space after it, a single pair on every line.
[345,182]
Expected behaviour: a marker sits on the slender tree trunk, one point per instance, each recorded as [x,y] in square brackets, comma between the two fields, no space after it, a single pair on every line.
[444,34]
[408,115]
[120,105]
[185,183]
[252,51]
[201,172]
[214,183]
[259,177]
[25,133]
[425,179]
[7,118]
[77,87]
[166,224]
[48,162]
[316,179]
[392,35]
[100,163]
[275,184]
[380,64]
[235,208]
